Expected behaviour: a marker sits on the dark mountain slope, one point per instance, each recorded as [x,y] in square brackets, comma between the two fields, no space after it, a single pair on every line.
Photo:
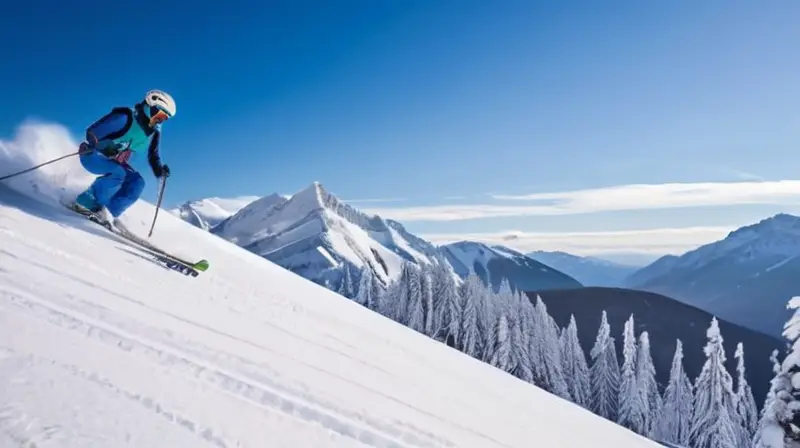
[666,320]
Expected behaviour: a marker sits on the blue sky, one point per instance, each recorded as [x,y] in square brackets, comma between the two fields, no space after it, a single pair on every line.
[431,104]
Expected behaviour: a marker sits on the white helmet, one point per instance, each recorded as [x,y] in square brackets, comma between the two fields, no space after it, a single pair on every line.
[159,101]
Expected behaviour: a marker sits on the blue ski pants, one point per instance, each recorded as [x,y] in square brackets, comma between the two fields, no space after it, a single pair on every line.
[117,187]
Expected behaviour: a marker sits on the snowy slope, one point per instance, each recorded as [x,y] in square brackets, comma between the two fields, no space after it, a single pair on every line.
[101,347]
[590,271]
[744,278]
[314,235]
[241,226]
[498,263]
[207,213]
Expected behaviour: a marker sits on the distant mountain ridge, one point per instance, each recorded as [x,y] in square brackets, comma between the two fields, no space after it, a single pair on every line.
[590,271]
[317,236]
[746,277]
[495,263]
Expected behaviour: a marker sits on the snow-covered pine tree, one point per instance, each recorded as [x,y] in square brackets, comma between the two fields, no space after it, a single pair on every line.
[426,297]
[414,315]
[678,403]
[447,305]
[714,424]
[378,291]
[576,370]
[487,311]
[364,293]
[648,387]
[605,374]
[501,353]
[770,430]
[779,425]
[347,286]
[744,403]
[520,338]
[769,433]
[472,291]
[549,348]
[394,301]
[631,411]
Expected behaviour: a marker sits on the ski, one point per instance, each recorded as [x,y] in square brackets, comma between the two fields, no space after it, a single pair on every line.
[168,260]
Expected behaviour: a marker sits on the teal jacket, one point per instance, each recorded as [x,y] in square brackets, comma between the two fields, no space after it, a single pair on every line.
[126,128]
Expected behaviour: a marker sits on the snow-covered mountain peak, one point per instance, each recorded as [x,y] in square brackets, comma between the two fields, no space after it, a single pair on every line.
[243,225]
[310,198]
[494,264]
[777,236]
[315,234]
[207,213]
[779,225]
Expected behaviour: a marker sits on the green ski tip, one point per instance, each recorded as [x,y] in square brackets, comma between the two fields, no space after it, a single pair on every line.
[201,265]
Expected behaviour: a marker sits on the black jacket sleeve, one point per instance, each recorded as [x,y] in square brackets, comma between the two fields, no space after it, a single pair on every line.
[153,158]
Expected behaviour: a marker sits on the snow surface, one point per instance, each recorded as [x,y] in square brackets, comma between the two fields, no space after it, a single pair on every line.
[101,347]
[469,254]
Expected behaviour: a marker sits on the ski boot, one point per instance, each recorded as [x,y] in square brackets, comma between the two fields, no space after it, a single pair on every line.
[87,205]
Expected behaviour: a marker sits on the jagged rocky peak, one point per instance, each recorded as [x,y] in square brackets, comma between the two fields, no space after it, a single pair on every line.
[316,235]
[330,202]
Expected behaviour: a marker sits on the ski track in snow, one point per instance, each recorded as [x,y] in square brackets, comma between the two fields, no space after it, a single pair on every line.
[259,391]
[270,396]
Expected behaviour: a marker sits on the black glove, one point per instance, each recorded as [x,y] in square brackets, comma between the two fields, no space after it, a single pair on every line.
[161,171]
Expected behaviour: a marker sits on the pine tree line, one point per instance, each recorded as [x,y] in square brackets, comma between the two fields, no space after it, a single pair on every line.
[508,331]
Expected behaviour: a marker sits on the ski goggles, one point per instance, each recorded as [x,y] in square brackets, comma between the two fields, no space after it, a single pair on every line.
[157,116]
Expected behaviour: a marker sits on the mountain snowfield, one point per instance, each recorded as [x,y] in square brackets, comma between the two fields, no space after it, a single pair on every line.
[99,346]
[313,234]
[207,213]
[496,263]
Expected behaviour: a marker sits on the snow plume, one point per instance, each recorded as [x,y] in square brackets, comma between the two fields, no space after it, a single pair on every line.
[35,143]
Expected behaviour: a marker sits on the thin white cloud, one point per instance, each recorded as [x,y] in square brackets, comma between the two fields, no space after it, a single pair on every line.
[653,242]
[744,175]
[381,200]
[615,198]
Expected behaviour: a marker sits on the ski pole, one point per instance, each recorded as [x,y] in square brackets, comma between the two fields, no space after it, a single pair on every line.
[161,185]
[9,176]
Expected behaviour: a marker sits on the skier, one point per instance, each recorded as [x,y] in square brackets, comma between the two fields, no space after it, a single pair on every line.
[110,142]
